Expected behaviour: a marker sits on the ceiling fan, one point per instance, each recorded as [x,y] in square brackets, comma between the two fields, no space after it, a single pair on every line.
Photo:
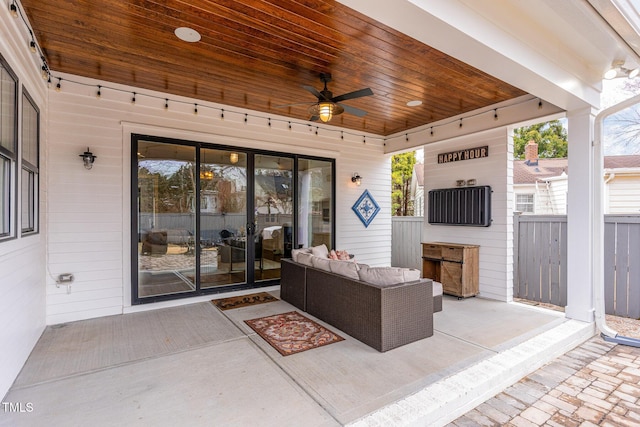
[328,105]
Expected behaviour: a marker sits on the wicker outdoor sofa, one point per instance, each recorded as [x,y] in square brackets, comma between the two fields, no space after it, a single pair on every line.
[381,316]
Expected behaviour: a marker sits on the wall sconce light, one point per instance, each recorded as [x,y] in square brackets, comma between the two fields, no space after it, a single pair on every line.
[357,179]
[233,157]
[88,158]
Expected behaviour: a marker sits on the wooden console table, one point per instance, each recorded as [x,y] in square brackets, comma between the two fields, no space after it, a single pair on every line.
[454,265]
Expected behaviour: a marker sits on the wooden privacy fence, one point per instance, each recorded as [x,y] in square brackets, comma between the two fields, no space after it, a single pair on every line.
[540,261]
[540,258]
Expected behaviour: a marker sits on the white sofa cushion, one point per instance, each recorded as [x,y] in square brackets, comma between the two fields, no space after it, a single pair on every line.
[321,263]
[344,268]
[410,274]
[295,252]
[437,288]
[381,275]
[306,259]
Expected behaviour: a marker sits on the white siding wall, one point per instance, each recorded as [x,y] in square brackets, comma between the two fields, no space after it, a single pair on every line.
[558,195]
[22,260]
[89,210]
[496,241]
[622,195]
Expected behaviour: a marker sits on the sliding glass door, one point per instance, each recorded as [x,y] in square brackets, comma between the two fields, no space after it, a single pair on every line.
[209,218]
[166,184]
[273,200]
[222,217]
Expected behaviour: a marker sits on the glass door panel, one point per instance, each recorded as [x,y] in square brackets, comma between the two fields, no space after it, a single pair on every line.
[223,217]
[315,202]
[273,209]
[166,221]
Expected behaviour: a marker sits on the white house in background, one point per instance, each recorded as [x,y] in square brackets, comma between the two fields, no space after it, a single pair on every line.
[417,189]
[540,185]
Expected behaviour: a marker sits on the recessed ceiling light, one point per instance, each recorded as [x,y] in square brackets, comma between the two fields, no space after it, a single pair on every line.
[414,103]
[187,34]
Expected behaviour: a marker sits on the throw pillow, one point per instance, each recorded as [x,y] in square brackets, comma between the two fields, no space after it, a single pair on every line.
[381,275]
[333,254]
[320,250]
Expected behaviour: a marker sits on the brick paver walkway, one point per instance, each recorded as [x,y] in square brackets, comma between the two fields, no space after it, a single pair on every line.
[596,384]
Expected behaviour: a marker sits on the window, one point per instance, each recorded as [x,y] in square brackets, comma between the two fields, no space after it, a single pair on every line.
[524,203]
[30,148]
[8,148]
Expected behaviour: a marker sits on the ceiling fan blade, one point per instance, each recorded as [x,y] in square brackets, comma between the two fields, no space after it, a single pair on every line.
[314,91]
[353,95]
[352,110]
[314,118]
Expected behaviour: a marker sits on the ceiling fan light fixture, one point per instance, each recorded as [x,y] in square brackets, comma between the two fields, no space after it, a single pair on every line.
[325,111]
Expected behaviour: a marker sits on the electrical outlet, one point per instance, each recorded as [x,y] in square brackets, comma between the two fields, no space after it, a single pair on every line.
[65,278]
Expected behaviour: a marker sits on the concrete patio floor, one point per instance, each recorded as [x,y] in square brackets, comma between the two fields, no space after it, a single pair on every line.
[196,365]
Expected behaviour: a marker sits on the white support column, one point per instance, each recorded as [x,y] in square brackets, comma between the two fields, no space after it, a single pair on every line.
[580,216]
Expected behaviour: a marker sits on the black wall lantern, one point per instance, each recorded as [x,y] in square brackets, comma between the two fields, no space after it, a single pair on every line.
[88,158]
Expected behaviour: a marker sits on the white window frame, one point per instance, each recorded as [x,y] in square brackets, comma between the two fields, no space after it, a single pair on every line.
[30,143]
[8,155]
[530,202]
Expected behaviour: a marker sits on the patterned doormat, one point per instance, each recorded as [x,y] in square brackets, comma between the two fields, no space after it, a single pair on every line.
[243,300]
[291,333]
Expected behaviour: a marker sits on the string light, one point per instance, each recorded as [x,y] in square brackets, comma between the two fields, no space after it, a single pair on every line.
[540,104]
[47,75]
[195,109]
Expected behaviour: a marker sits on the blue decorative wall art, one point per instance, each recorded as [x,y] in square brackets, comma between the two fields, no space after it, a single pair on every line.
[366,208]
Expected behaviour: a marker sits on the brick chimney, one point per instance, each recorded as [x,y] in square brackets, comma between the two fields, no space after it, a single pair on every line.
[531,153]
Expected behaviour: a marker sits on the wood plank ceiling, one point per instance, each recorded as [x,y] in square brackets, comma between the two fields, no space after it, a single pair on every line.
[257,54]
